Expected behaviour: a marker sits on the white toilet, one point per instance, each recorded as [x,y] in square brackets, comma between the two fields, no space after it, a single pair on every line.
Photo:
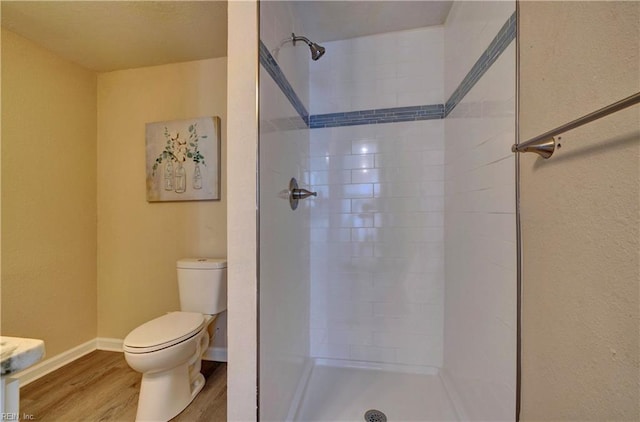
[168,350]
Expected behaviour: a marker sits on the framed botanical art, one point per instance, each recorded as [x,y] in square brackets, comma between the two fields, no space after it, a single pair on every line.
[183,160]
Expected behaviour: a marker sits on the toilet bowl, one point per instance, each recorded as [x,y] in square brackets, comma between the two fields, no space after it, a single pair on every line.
[168,350]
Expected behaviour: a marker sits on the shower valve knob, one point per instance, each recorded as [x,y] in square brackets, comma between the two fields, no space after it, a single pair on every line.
[295,193]
[302,193]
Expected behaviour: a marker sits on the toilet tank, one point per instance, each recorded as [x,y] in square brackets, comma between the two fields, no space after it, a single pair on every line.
[202,283]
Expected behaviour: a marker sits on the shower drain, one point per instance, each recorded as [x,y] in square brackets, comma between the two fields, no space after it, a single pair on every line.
[374,415]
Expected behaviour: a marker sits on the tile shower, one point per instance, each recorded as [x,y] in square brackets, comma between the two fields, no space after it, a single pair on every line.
[380,221]
[405,262]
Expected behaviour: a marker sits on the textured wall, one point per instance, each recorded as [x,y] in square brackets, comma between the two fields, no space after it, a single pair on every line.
[140,242]
[580,213]
[48,197]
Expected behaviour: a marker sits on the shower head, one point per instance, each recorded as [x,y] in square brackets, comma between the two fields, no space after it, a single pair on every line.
[316,49]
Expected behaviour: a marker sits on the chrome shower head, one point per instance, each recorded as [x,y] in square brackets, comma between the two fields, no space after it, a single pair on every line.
[316,49]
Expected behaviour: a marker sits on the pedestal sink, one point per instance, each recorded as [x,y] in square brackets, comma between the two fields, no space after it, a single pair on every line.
[16,354]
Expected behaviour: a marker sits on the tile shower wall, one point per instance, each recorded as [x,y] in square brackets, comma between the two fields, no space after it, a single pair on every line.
[377,224]
[277,22]
[397,69]
[480,238]
[284,234]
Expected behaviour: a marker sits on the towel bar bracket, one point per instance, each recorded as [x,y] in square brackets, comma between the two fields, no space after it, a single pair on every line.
[545,144]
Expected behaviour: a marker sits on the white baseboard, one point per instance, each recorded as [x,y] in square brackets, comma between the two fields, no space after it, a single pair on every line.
[49,365]
[110,344]
[454,396]
[218,354]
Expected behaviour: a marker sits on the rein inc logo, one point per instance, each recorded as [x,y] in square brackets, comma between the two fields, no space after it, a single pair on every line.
[17,417]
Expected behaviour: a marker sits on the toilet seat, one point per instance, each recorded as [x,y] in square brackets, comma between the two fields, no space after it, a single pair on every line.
[164,331]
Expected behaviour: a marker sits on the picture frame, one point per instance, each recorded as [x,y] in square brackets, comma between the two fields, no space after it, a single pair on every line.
[183,160]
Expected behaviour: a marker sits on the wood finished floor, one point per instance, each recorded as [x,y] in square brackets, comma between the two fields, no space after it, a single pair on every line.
[101,387]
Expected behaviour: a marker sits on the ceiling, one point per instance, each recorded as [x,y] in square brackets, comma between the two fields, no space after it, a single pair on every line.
[338,20]
[111,35]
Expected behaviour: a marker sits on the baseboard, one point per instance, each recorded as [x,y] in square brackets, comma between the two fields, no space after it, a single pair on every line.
[110,344]
[218,354]
[301,387]
[454,396]
[49,365]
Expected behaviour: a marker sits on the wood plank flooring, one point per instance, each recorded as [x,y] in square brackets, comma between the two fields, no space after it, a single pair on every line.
[101,387]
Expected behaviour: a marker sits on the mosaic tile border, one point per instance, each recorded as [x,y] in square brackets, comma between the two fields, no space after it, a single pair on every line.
[383,115]
[499,43]
[397,114]
[272,67]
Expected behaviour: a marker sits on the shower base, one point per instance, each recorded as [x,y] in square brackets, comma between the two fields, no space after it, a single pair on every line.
[344,391]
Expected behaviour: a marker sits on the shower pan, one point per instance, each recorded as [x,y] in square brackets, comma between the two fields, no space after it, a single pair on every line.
[389,291]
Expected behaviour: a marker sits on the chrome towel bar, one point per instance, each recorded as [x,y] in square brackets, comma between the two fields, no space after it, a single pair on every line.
[545,144]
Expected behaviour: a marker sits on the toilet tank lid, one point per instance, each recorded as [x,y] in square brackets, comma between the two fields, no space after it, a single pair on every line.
[202,263]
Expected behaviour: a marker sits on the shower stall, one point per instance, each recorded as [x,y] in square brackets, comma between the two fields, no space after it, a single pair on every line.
[391,292]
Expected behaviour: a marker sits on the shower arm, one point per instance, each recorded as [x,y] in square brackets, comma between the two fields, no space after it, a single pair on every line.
[317,50]
[295,38]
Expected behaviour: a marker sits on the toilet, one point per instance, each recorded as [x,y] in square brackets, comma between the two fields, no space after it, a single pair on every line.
[167,350]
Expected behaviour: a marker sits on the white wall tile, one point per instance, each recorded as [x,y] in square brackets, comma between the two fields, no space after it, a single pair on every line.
[403,190]
[406,243]
[330,235]
[335,351]
[414,219]
[350,336]
[377,71]
[285,335]
[373,354]
[479,331]
[432,357]
[402,165]
[468,31]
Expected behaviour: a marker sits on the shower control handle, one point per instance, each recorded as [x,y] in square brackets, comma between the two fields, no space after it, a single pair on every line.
[302,193]
[295,193]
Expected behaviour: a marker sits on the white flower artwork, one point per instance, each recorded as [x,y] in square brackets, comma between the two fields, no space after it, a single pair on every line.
[183,160]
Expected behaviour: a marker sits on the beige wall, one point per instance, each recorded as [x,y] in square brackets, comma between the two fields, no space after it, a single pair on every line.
[85,255]
[140,242]
[580,213]
[48,197]
[242,102]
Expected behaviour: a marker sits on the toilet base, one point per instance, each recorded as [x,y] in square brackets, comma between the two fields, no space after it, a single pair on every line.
[174,388]
[164,394]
